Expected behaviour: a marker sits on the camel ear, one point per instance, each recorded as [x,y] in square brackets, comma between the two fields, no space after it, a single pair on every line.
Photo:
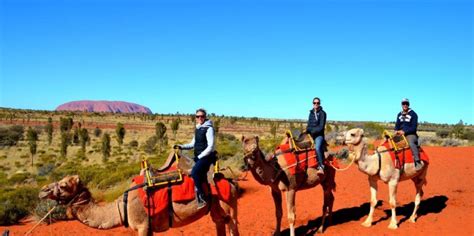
[256,138]
[76,179]
[242,139]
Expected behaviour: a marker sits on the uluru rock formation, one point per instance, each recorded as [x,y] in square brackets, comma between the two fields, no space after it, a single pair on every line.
[104,106]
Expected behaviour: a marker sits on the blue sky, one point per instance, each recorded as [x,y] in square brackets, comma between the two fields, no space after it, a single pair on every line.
[243,58]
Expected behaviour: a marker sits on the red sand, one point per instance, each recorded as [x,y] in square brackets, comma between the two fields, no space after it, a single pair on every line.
[446,209]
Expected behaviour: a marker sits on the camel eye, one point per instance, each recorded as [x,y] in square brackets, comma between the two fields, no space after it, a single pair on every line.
[353,135]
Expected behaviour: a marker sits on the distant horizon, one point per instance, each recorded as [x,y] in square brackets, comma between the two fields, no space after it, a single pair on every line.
[219,114]
[257,58]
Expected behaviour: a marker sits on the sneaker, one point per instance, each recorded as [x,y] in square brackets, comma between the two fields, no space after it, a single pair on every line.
[419,165]
[201,202]
[320,170]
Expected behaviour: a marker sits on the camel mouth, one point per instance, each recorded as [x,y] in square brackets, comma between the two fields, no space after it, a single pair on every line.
[44,194]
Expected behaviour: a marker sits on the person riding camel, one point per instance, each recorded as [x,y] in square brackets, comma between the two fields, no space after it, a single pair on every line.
[315,127]
[406,124]
[204,153]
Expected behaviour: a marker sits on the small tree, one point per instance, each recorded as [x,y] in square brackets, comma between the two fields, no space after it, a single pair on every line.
[175,127]
[49,130]
[274,128]
[216,125]
[75,136]
[458,130]
[83,139]
[120,131]
[105,147]
[160,131]
[65,124]
[97,131]
[32,137]
[65,140]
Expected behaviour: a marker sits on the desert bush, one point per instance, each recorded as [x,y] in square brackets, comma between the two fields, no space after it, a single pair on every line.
[150,145]
[373,129]
[133,143]
[44,206]
[65,140]
[19,178]
[11,135]
[15,204]
[49,130]
[65,124]
[469,135]
[451,142]
[442,133]
[45,169]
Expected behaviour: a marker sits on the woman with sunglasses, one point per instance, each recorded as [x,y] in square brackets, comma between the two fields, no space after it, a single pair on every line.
[315,127]
[204,153]
[406,124]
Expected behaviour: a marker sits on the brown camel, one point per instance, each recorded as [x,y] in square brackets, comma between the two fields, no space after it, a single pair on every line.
[81,206]
[382,168]
[274,173]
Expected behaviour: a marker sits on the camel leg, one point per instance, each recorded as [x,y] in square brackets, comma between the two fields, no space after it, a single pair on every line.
[218,219]
[327,206]
[373,201]
[392,188]
[419,194]
[290,205]
[278,210]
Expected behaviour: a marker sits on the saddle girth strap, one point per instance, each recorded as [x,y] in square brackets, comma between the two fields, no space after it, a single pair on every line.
[380,162]
[125,203]
[150,231]
[170,205]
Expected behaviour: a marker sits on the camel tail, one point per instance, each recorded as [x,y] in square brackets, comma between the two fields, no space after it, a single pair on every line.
[331,178]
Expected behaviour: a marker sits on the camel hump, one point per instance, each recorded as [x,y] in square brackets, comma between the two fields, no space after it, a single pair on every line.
[168,163]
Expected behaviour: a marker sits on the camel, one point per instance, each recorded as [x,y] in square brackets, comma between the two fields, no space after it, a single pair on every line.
[273,172]
[380,167]
[81,206]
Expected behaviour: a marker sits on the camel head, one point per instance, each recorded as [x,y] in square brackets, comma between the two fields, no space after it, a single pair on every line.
[354,137]
[250,145]
[62,191]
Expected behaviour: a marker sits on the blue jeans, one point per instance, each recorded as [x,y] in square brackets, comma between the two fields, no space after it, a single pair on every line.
[413,142]
[318,145]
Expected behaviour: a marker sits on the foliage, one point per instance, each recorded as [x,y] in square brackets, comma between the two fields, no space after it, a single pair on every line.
[49,130]
[32,137]
[15,204]
[274,128]
[133,143]
[442,133]
[160,131]
[120,131]
[43,207]
[97,131]
[75,136]
[105,147]
[150,144]
[84,138]
[65,140]
[11,135]
[65,124]
[175,126]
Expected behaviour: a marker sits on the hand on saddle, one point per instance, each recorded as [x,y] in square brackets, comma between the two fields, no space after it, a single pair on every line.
[176,146]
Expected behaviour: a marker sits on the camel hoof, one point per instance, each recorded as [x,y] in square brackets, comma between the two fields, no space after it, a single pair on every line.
[367,224]
[393,226]
[413,219]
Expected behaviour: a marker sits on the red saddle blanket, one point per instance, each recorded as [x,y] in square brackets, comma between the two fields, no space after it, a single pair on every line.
[298,162]
[183,192]
[404,155]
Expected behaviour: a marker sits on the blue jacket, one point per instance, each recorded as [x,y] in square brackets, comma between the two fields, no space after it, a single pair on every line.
[407,122]
[316,123]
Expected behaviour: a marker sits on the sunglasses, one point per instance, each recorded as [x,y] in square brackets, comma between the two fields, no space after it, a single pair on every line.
[405,103]
[316,103]
[199,116]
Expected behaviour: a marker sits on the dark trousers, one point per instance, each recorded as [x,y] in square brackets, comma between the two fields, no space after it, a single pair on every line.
[199,171]
[413,142]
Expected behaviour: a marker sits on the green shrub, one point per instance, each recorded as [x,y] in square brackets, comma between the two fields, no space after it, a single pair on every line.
[442,133]
[44,206]
[19,178]
[10,136]
[15,204]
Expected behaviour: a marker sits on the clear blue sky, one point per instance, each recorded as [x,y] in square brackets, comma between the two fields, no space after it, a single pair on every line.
[244,58]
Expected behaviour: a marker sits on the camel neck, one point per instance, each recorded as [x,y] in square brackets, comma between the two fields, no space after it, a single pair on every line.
[262,170]
[103,216]
[367,164]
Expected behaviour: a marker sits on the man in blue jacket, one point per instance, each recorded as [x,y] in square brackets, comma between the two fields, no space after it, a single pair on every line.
[204,153]
[315,127]
[406,124]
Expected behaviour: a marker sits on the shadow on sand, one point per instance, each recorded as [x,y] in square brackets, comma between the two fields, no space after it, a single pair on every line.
[431,205]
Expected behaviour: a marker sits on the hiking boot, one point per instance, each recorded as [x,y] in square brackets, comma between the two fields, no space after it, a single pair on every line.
[419,165]
[320,170]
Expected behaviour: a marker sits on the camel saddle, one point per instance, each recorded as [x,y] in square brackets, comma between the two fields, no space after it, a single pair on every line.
[400,156]
[299,140]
